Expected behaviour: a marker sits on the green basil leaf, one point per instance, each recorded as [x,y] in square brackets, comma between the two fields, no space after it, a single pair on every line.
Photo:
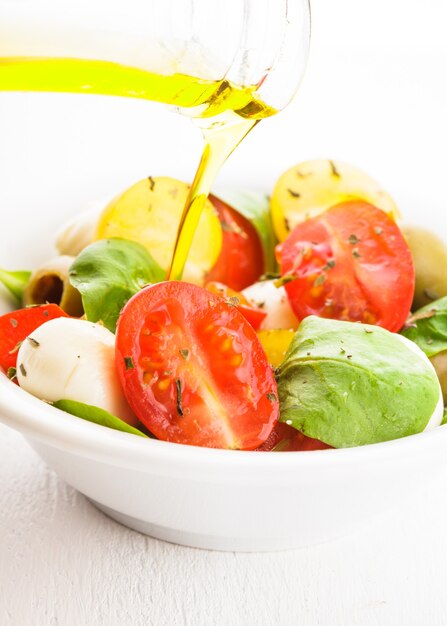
[15,282]
[428,327]
[255,207]
[109,272]
[351,384]
[96,415]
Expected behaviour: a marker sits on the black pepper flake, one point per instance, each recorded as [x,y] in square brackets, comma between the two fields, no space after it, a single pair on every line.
[307,353]
[14,323]
[233,301]
[287,225]
[128,362]
[33,342]
[294,194]
[368,332]
[349,356]
[22,369]
[356,254]
[334,170]
[11,373]
[303,174]
[272,397]
[46,312]
[151,183]
[178,387]
[342,351]
[184,353]
[353,240]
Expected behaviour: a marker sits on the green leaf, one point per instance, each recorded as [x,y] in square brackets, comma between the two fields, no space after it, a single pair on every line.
[255,207]
[428,327]
[15,282]
[96,415]
[350,384]
[109,272]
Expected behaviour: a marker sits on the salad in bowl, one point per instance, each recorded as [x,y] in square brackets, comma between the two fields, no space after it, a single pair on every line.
[292,330]
[233,409]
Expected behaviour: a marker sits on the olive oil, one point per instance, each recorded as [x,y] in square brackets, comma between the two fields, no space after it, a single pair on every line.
[221,138]
[225,112]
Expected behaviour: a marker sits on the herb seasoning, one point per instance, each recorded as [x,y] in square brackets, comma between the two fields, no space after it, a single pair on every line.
[178,387]
[128,361]
[11,373]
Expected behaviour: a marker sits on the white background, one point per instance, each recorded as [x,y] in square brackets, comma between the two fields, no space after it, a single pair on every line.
[375,94]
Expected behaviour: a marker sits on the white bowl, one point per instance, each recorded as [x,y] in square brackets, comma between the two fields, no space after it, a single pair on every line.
[222,499]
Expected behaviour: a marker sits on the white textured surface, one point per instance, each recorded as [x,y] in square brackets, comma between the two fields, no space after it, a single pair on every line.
[64,563]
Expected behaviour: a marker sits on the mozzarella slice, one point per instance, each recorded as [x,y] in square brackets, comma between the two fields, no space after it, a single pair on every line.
[438,413]
[73,359]
[274,301]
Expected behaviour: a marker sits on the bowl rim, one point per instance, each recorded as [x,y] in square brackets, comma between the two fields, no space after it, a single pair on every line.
[46,424]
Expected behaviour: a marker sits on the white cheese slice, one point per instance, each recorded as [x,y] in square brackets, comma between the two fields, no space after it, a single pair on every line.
[73,359]
[274,301]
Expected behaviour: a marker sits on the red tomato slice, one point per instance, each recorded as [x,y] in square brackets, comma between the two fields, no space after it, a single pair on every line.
[349,263]
[193,369]
[252,314]
[16,326]
[285,438]
[241,260]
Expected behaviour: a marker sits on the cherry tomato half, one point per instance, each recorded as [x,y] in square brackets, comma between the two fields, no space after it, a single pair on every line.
[252,314]
[285,438]
[241,259]
[349,263]
[16,326]
[193,369]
